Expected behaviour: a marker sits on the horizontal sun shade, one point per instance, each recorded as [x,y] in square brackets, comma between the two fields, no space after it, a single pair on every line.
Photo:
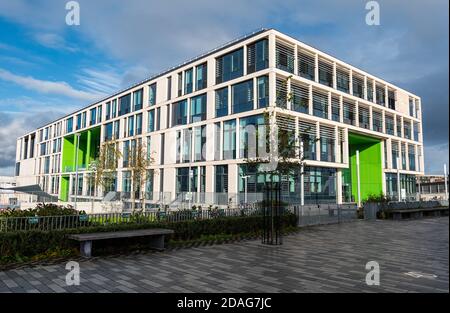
[284,56]
[335,108]
[358,86]
[281,93]
[377,119]
[327,132]
[364,117]
[306,65]
[300,98]
[307,128]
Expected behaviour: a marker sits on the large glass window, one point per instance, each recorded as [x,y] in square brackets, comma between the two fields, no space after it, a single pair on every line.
[300,98]
[93,113]
[320,185]
[412,157]
[78,126]
[201,76]
[308,135]
[137,99]
[325,73]
[221,178]
[389,120]
[252,136]
[380,95]
[69,125]
[335,109]
[222,102]
[364,117]
[229,140]
[320,104]
[179,113]
[342,80]
[183,178]
[257,56]
[391,99]
[306,65]
[126,181]
[229,66]
[358,86]
[125,104]
[152,94]
[198,108]
[407,129]
[169,88]
[349,113]
[139,124]
[188,81]
[327,144]
[394,154]
[108,131]
[199,143]
[242,97]
[284,57]
[377,121]
[180,84]
[263,91]
[151,121]
[370,90]
[131,126]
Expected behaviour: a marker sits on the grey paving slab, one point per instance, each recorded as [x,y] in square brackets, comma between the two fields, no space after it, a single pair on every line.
[329,258]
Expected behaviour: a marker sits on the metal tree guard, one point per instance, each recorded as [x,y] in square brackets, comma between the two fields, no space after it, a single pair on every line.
[271,212]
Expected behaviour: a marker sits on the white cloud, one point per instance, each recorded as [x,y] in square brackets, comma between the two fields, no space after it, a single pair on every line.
[49,87]
[54,41]
[435,157]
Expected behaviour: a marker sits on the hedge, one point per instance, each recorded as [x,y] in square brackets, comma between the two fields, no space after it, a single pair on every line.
[26,244]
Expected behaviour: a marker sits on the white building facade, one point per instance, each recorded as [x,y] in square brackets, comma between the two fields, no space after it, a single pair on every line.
[192,120]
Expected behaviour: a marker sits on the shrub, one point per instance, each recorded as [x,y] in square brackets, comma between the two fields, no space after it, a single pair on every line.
[42,209]
[21,245]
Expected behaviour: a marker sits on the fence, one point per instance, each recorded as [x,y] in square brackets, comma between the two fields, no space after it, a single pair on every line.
[47,223]
[309,215]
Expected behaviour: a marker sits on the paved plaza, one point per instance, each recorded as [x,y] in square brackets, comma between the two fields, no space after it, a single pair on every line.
[330,258]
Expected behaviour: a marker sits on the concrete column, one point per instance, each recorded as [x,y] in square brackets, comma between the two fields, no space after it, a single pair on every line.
[337,145]
[318,141]
[341,109]
[346,148]
[295,60]
[310,102]
[272,89]
[272,41]
[356,114]
[329,106]
[339,186]
[316,68]
[365,87]
[334,76]
[350,84]
[233,178]
[370,118]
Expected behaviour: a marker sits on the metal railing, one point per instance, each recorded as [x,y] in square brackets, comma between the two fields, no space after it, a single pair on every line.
[47,223]
[309,215]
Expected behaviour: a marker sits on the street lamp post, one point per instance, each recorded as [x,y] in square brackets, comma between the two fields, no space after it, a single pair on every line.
[76,168]
[245,177]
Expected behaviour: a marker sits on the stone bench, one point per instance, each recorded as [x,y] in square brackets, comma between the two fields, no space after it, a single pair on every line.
[156,240]
[417,213]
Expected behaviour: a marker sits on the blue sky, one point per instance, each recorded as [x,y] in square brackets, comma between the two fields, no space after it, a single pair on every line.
[48,68]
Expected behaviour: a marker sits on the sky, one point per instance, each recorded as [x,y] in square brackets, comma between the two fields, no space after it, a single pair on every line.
[48,68]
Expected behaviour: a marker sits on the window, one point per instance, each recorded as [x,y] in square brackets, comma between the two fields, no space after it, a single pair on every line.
[252,136]
[116,129]
[180,84]
[403,156]
[327,144]
[377,121]
[325,73]
[335,109]
[108,131]
[300,98]
[399,126]
[158,118]
[99,114]
[179,113]
[391,99]
[217,135]
[358,86]
[416,131]
[199,143]
[281,93]
[320,104]
[263,91]
[169,88]
[201,76]
[188,81]
[306,65]
[187,144]
[222,102]
[284,57]
[380,95]
[364,117]
[69,125]
[126,153]
[198,108]
[370,91]
[83,120]
[126,181]
[407,129]
[184,180]
[162,150]
[389,120]
[411,107]
[229,66]
[151,121]
[307,134]
[78,126]
[242,97]
[257,56]
[229,140]
[139,124]
[342,80]
[47,165]
[412,157]
[131,126]
[221,178]
[149,182]
[93,113]
[152,94]
[114,108]
[137,99]
[349,113]
[125,104]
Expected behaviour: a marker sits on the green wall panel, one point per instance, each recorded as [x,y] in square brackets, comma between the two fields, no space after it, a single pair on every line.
[64,194]
[371,172]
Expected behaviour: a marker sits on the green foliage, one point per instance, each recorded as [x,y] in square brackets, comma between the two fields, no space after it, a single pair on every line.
[42,209]
[380,198]
[26,245]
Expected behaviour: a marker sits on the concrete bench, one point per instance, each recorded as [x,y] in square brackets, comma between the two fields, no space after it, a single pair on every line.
[156,240]
[417,213]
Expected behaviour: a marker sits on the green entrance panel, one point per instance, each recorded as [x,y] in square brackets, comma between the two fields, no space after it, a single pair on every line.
[370,165]
[88,148]
[64,194]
